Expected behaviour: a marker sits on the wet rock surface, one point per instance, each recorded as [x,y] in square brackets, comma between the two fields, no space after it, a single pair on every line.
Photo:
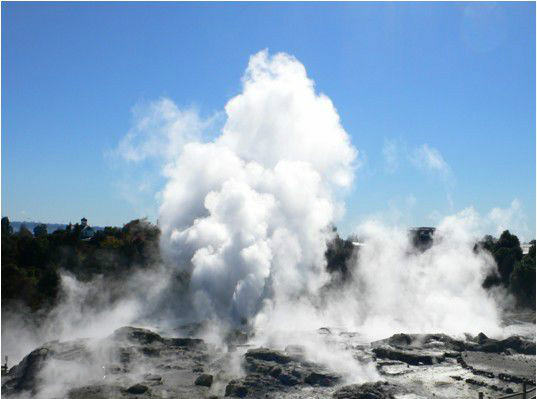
[443,342]
[97,392]
[412,356]
[137,389]
[478,363]
[517,368]
[205,380]
[378,390]
[26,376]
[139,363]
[513,344]
[271,370]
[132,362]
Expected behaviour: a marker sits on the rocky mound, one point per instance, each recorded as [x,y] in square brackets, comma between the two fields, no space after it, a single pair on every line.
[139,363]
[417,349]
[511,345]
[478,361]
[377,390]
[132,362]
[427,349]
[26,376]
[271,370]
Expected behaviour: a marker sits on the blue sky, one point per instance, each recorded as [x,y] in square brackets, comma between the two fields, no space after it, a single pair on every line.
[455,81]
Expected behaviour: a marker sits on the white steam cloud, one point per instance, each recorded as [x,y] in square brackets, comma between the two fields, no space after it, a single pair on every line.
[512,218]
[429,158]
[248,214]
[436,290]
[160,131]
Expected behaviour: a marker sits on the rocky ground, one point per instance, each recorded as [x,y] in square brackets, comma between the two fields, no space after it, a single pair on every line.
[138,363]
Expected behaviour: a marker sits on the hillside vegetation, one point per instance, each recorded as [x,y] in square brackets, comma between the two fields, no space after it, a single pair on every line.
[32,262]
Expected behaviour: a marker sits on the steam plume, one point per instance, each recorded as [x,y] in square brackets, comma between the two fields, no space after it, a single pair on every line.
[248,214]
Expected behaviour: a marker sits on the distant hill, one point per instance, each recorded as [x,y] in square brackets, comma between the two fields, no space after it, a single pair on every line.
[51,227]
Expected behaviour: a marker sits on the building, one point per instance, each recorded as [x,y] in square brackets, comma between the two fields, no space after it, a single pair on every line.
[87,231]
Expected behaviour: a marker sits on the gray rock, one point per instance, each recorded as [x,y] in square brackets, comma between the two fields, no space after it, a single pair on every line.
[205,380]
[96,392]
[441,342]
[152,377]
[138,389]
[409,356]
[26,375]
[191,343]
[481,338]
[275,371]
[376,390]
[513,344]
[268,355]
[126,349]
[138,335]
[236,388]
[519,344]
[288,379]
[270,370]
[323,379]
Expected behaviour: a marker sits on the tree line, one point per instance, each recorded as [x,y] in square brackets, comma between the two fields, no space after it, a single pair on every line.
[515,271]
[31,262]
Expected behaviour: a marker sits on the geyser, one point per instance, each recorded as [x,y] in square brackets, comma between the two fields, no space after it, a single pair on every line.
[248,214]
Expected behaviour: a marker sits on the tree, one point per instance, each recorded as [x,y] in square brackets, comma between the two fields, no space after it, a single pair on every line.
[488,243]
[506,259]
[7,229]
[522,280]
[338,254]
[508,240]
[40,230]
[31,263]
[13,282]
[24,232]
[506,252]
[48,285]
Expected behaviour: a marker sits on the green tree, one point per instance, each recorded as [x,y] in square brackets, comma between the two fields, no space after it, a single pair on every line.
[40,230]
[48,285]
[31,263]
[338,253]
[13,282]
[7,229]
[506,252]
[24,232]
[522,280]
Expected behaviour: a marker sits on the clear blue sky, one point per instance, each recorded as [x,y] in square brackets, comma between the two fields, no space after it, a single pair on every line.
[457,77]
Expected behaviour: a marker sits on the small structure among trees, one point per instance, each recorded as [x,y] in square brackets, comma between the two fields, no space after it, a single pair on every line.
[86,232]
